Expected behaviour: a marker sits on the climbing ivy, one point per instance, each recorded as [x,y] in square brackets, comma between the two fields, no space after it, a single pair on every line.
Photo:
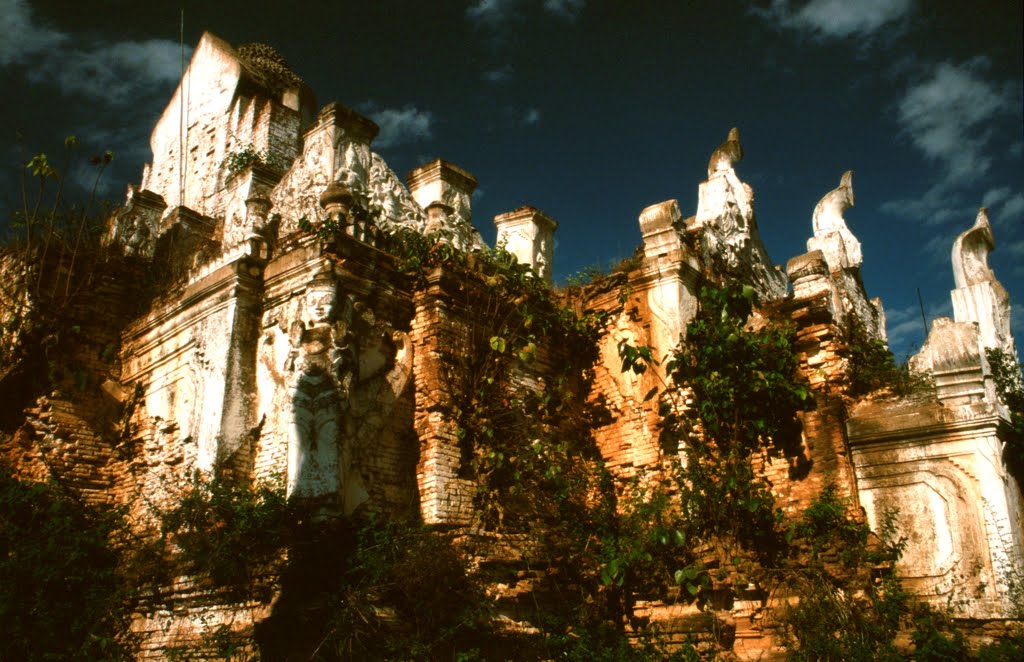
[1006,373]
[745,395]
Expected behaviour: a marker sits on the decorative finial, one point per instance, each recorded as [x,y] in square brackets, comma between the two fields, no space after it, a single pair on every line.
[828,213]
[728,153]
[970,253]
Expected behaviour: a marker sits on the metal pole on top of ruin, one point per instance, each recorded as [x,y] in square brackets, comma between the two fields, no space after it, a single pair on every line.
[181,114]
[924,320]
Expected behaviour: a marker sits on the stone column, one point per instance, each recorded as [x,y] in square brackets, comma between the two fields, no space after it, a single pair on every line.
[529,234]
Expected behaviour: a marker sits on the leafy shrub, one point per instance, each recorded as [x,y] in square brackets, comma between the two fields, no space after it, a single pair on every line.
[846,611]
[1010,388]
[873,367]
[745,397]
[374,587]
[60,593]
[240,160]
[228,531]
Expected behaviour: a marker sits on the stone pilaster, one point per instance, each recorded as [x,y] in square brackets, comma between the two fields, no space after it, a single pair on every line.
[442,182]
[529,234]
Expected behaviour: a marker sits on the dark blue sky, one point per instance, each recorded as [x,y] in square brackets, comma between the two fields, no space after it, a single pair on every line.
[593,110]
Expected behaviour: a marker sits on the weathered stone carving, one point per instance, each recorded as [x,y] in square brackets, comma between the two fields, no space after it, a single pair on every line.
[315,342]
[979,297]
[970,253]
[939,460]
[831,235]
[137,224]
[729,241]
[387,199]
[832,265]
[445,183]
[322,360]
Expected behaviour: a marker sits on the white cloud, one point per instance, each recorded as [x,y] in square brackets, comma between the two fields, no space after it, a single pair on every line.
[1011,212]
[490,12]
[567,9]
[995,196]
[494,13]
[401,125]
[115,73]
[837,18]
[497,74]
[23,39]
[904,329]
[937,206]
[939,246]
[1013,209]
[1004,205]
[945,115]
[531,116]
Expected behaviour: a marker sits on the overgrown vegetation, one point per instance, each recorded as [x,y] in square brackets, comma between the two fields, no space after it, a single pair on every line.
[247,156]
[231,532]
[376,586]
[1006,373]
[50,257]
[61,594]
[745,398]
[368,587]
[850,603]
[873,367]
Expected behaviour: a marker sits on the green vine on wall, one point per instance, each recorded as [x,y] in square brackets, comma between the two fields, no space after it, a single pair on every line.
[1006,373]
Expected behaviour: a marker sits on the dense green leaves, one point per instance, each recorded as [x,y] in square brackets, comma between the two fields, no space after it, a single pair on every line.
[1010,388]
[745,397]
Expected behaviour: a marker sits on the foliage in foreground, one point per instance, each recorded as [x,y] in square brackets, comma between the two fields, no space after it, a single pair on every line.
[1010,387]
[362,587]
[873,367]
[61,596]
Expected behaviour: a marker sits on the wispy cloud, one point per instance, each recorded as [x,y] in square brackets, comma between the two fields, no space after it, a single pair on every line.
[567,9]
[491,12]
[1012,211]
[497,74]
[24,40]
[399,126]
[494,13]
[837,19]
[904,330]
[939,246]
[114,74]
[935,207]
[110,73]
[946,112]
